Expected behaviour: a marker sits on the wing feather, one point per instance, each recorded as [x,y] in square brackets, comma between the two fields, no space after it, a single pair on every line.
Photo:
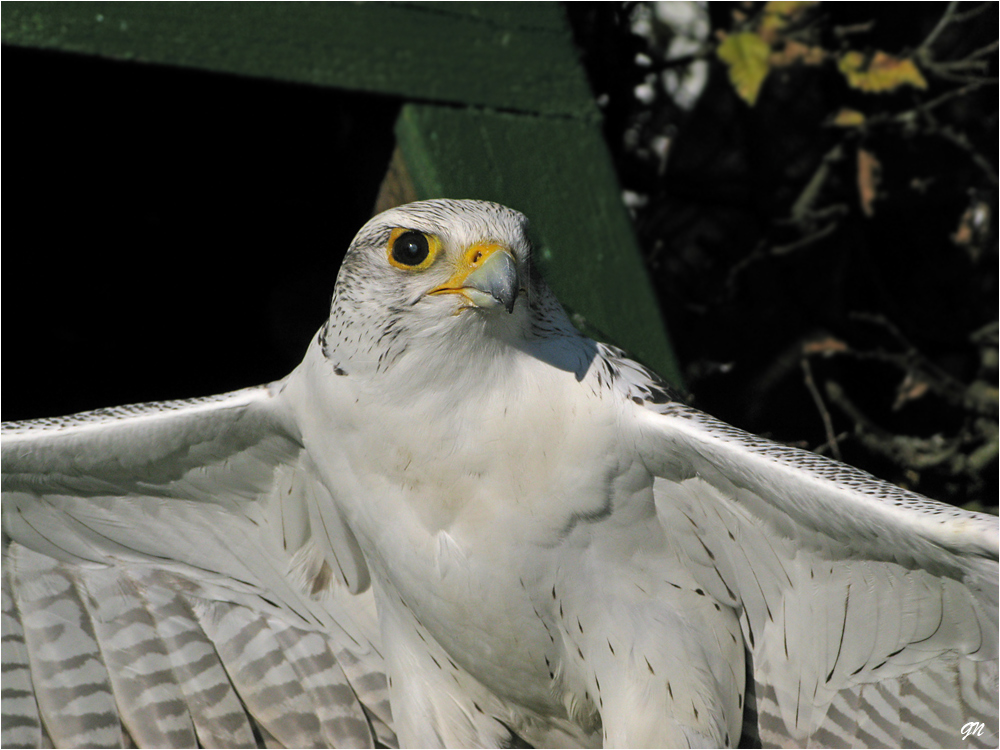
[175,574]
[70,681]
[22,726]
[216,710]
[342,721]
[152,706]
[870,613]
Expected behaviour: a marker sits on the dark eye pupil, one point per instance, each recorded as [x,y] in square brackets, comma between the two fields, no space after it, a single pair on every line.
[410,249]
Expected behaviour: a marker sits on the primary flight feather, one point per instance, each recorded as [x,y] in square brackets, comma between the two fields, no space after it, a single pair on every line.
[460,522]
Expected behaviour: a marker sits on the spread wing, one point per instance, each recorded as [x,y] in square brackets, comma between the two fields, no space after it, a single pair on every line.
[175,575]
[869,612]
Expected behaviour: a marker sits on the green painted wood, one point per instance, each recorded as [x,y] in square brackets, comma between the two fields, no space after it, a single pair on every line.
[516,56]
[528,15]
[559,173]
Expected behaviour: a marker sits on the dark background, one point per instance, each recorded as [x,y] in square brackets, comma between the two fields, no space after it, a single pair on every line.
[174,233]
[171,233]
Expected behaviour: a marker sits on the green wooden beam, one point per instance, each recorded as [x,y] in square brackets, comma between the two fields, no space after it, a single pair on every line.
[560,174]
[516,56]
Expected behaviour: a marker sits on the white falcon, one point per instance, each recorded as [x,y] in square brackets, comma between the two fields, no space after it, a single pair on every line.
[460,522]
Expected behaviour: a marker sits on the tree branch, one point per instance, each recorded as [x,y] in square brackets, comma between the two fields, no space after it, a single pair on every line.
[831,437]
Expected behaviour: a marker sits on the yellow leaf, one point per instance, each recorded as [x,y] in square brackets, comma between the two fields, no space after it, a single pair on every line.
[746,55]
[796,52]
[777,15]
[883,73]
[848,118]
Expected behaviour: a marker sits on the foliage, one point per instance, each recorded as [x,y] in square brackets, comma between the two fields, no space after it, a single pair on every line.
[768,40]
[821,223]
[746,55]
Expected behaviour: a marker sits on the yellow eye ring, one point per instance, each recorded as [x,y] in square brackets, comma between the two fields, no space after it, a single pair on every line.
[411,250]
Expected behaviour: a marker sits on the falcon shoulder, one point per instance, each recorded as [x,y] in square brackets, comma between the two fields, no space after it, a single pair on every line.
[175,575]
[869,612]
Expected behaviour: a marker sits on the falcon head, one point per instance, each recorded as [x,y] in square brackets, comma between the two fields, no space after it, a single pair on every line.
[470,255]
[435,274]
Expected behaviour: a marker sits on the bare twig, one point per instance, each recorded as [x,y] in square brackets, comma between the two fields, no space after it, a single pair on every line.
[909,116]
[963,142]
[704,53]
[923,51]
[888,325]
[811,191]
[816,215]
[758,253]
[831,437]
[965,78]
[944,69]
[949,95]
[857,28]
[970,14]
[809,239]
[822,448]
[907,451]
[971,397]
[983,51]
[969,61]
[762,250]
[987,453]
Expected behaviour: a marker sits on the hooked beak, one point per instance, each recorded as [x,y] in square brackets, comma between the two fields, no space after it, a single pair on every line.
[486,277]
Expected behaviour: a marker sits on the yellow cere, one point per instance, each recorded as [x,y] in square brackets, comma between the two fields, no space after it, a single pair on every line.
[472,259]
[476,255]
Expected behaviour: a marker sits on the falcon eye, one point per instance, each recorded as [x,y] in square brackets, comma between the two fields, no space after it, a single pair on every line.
[410,249]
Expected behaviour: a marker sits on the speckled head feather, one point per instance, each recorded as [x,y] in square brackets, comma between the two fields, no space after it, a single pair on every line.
[380,312]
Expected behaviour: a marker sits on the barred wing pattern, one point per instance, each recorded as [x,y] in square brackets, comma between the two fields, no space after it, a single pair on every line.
[189,588]
[869,612]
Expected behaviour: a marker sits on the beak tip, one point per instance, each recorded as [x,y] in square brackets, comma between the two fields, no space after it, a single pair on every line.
[508,300]
[497,280]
